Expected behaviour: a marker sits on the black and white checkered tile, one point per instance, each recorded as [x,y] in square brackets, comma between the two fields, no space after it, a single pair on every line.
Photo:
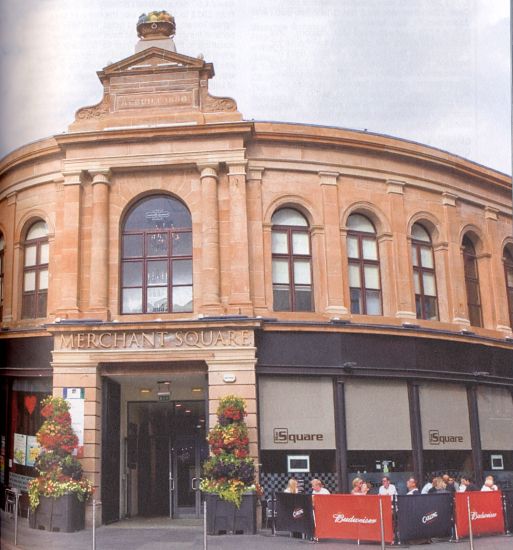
[278,482]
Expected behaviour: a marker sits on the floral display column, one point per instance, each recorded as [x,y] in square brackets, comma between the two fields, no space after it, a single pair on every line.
[229,473]
[57,495]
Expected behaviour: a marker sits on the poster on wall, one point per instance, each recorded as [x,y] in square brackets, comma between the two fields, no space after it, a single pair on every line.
[20,449]
[33,450]
[76,399]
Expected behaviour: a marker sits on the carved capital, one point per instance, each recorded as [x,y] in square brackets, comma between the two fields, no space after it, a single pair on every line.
[491,213]
[396,186]
[449,199]
[237,168]
[73,177]
[255,172]
[328,178]
[100,175]
[208,170]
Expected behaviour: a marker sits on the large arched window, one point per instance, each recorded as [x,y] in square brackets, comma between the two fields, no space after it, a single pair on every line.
[364,275]
[292,262]
[475,314]
[424,278]
[35,271]
[508,270]
[2,264]
[156,263]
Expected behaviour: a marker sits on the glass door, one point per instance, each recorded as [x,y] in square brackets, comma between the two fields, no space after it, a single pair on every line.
[185,477]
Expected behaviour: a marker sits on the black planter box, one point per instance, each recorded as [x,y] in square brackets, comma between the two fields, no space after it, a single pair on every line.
[224,517]
[64,514]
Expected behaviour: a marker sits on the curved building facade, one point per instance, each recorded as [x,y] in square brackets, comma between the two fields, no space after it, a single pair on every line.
[356,289]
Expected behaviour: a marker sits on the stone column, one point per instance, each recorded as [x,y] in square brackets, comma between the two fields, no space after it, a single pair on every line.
[387,271]
[67,239]
[455,278]
[210,280]
[10,288]
[441,255]
[333,253]
[99,270]
[405,308]
[496,288]
[256,239]
[239,299]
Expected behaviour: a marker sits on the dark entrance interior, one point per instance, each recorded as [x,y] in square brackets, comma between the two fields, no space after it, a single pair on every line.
[165,448]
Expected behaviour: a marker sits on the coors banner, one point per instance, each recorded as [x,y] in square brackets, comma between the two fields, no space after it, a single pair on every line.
[294,513]
[424,516]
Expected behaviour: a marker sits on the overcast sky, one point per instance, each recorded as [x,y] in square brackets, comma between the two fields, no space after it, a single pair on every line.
[433,71]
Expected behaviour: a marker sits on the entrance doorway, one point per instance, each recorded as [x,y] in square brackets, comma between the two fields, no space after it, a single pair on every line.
[165,446]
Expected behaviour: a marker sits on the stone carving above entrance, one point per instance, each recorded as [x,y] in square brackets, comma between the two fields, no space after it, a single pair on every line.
[154,339]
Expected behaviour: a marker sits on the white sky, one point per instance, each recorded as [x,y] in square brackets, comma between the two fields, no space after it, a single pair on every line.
[433,71]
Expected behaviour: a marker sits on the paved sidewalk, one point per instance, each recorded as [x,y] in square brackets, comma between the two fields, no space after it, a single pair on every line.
[188,536]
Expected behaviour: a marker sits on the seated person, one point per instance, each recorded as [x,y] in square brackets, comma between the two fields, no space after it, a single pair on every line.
[317,487]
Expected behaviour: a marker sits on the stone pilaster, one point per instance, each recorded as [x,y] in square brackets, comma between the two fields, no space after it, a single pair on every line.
[67,240]
[256,239]
[210,279]
[239,300]
[455,275]
[401,252]
[333,270]
[99,270]
[497,286]
[10,281]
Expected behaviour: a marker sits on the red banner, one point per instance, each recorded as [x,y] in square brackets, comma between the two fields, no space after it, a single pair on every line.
[486,513]
[351,517]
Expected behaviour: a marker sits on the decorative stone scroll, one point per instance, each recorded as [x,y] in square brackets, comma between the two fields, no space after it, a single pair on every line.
[213,104]
[95,111]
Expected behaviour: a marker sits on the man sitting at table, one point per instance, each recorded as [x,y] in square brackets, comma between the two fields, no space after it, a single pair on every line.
[317,487]
[387,488]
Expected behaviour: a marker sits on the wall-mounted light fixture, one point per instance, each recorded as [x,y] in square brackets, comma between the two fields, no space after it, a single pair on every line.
[229,378]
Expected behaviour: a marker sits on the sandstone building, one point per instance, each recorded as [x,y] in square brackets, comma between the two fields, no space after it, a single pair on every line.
[356,289]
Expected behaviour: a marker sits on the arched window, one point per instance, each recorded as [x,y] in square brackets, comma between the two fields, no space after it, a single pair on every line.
[35,271]
[292,262]
[424,278]
[475,314]
[508,269]
[2,263]
[156,263]
[364,276]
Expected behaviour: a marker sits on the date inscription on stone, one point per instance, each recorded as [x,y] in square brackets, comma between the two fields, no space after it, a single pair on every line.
[141,101]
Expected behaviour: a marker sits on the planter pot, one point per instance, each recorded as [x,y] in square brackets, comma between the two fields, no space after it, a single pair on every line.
[224,517]
[65,514]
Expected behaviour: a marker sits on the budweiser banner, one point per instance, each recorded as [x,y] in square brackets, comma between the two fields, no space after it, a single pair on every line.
[486,513]
[350,517]
[508,502]
[294,513]
[424,516]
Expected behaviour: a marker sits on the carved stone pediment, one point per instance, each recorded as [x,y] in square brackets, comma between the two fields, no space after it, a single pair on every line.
[155,87]
[155,60]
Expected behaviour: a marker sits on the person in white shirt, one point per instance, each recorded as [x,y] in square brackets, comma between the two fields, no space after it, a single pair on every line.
[411,485]
[387,488]
[317,488]
[489,484]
